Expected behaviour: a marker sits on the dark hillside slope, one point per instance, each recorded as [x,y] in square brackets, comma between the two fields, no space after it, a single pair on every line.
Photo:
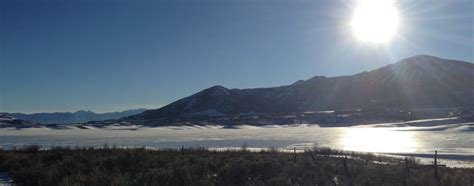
[416,82]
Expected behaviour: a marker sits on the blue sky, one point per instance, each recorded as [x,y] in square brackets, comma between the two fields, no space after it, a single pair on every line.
[104,55]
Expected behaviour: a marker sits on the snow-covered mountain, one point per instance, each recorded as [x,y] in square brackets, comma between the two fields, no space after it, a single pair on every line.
[73,117]
[416,82]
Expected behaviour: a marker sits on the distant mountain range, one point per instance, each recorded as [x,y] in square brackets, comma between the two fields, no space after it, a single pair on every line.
[9,121]
[416,82]
[72,117]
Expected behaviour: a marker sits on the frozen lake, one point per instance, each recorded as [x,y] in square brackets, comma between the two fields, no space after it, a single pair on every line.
[384,138]
[453,141]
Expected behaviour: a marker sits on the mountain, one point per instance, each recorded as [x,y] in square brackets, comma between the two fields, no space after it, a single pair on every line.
[72,117]
[416,82]
[9,121]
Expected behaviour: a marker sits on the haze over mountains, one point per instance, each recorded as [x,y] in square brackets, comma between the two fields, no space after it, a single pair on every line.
[416,82]
[72,117]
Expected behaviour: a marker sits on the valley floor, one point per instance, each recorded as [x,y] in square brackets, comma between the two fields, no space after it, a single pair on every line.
[140,166]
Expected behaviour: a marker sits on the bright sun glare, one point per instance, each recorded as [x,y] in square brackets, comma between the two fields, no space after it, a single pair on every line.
[375,21]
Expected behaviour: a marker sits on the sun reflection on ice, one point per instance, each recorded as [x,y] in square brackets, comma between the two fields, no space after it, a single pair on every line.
[378,140]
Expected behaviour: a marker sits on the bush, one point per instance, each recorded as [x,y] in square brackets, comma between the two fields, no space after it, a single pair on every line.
[88,166]
[31,148]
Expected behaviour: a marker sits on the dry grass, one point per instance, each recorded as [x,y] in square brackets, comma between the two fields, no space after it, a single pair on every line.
[110,166]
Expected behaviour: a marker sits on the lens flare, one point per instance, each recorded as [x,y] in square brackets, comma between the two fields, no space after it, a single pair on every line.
[375,21]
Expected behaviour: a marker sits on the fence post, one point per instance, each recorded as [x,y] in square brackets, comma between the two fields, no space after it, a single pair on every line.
[294,154]
[436,165]
[407,172]
[346,171]
[344,161]
[407,168]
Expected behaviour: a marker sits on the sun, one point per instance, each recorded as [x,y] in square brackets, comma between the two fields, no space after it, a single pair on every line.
[375,21]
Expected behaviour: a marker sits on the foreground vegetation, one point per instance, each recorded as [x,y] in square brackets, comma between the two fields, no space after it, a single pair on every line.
[111,166]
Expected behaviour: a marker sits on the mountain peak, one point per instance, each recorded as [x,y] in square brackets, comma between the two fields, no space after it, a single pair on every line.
[84,112]
[216,90]
[422,58]
[318,78]
[217,87]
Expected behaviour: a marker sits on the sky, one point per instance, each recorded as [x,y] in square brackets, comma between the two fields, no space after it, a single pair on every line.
[104,55]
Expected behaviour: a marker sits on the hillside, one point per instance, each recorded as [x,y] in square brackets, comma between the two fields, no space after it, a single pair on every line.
[416,82]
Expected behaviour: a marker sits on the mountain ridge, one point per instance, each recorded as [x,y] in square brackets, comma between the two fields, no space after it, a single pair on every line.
[417,82]
[80,116]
